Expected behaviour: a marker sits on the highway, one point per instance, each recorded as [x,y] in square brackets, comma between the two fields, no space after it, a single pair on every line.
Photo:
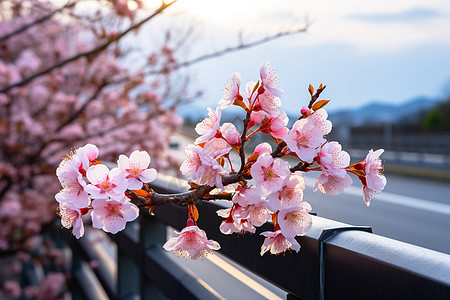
[410,209]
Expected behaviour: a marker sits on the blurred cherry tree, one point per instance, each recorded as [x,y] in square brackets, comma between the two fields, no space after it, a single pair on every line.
[63,83]
[91,98]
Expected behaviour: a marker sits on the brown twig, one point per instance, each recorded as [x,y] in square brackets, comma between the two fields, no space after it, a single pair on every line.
[35,22]
[225,51]
[301,166]
[197,195]
[277,152]
[243,140]
[88,53]
[315,96]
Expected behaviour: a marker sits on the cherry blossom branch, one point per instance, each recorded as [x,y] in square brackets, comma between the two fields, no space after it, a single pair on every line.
[301,166]
[274,195]
[315,97]
[35,22]
[199,194]
[277,152]
[77,113]
[243,140]
[88,53]
[228,197]
[6,188]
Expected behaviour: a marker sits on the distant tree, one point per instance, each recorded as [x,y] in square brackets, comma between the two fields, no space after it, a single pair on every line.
[438,118]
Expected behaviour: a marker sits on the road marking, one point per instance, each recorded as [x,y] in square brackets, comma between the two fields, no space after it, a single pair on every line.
[254,285]
[391,198]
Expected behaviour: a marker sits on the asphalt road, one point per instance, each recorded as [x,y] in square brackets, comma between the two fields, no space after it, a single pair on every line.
[409,209]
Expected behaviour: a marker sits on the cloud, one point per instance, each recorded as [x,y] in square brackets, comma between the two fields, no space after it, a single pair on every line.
[415,14]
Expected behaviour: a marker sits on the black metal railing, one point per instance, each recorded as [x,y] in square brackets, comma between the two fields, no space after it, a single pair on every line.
[347,263]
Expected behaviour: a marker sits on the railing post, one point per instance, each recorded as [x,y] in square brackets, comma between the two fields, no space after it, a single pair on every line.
[127,272]
[152,233]
[77,261]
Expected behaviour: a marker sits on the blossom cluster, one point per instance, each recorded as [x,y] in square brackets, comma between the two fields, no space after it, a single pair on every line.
[89,187]
[275,193]
[262,187]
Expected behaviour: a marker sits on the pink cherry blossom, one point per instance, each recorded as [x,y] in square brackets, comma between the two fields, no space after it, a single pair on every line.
[319,118]
[11,289]
[191,242]
[332,185]
[269,173]
[374,180]
[276,243]
[247,93]
[87,154]
[269,104]
[270,80]
[306,135]
[230,134]
[230,226]
[247,226]
[217,147]
[52,286]
[212,173]
[209,126]
[78,160]
[234,222]
[105,183]
[202,167]
[28,63]
[333,160]
[112,215]
[257,214]
[74,189]
[231,91]
[192,165]
[126,8]
[10,208]
[246,196]
[224,212]
[295,220]
[136,170]
[256,117]
[71,218]
[278,125]
[70,162]
[373,167]
[290,194]
[263,148]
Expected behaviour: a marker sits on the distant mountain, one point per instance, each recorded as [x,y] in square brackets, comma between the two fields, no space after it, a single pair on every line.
[372,113]
[381,112]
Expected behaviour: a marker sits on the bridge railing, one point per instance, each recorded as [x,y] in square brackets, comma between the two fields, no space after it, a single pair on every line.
[336,261]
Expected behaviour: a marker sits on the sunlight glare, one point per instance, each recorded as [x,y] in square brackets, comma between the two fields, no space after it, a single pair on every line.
[132,5]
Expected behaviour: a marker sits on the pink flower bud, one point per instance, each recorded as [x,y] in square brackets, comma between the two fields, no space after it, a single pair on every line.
[305,111]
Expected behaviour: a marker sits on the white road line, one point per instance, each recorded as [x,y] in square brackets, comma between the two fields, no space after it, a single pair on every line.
[395,199]
[260,289]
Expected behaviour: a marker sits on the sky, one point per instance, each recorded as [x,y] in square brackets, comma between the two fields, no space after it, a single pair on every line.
[388,51]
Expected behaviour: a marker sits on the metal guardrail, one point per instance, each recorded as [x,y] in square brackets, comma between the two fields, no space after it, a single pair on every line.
[344,264]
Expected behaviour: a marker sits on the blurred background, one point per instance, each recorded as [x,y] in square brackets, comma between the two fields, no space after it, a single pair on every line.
[131,74]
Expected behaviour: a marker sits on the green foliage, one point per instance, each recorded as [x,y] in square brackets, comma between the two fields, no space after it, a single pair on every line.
[437,119]
[434,120]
